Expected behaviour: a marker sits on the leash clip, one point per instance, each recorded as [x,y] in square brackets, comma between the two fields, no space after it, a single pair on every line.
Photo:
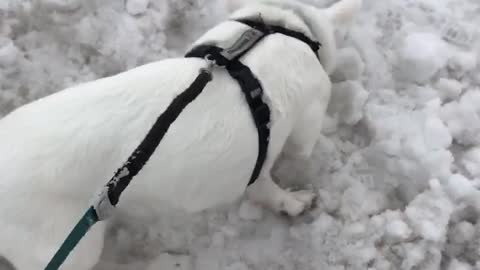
[102,205]
[211,62]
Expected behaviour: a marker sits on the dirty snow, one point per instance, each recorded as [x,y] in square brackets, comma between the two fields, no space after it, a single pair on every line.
[397,170]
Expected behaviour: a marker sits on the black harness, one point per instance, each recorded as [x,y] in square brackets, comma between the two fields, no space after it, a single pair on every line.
[228,58]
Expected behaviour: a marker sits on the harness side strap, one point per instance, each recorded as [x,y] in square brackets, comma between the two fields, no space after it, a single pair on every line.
[260,111]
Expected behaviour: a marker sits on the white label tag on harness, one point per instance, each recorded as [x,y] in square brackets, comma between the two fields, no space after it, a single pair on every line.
[245,42]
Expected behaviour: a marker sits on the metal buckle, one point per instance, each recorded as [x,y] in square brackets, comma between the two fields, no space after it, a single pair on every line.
[210,62]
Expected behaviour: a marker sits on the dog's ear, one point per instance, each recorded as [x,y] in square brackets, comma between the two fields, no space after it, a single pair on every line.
[343,12]
[233,5]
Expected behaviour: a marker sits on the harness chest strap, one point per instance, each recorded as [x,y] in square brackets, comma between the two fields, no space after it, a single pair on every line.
[105,202]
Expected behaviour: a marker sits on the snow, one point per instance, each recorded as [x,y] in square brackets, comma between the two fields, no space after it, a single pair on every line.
[397,229]
[471,161]
[249,211]
[458,265]
[461,117]
[347,101]
[136,7]
[8,53]
[350,66]
[429,213]
[422,55]
[397,170]
[448,89]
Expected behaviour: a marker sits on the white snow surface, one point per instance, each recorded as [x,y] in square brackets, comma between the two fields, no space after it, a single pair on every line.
[397,171]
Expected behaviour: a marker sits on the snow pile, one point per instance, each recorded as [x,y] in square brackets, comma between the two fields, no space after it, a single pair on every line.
[461,117]
[421,56]
[397,169]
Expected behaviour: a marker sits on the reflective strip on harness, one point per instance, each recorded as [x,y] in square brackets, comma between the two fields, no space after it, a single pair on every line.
[243,44]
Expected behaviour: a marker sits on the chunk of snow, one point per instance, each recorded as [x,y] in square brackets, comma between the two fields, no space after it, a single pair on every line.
[355,229]
[459,187]
[449,89]
[347,101]
[8,52]
[250,211]
[458,265]
[413,255]
[436,134]
[463,118]
[61,5]
[421,56]
[462,232]
[429,213]
[136,7]
[350,65]
[356,203]
[471,161]
[397,230]
[329,201]
[461,61]
[438,163]
[457,32]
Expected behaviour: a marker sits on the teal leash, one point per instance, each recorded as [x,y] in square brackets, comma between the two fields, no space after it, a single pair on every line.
[101,209]
[86,222]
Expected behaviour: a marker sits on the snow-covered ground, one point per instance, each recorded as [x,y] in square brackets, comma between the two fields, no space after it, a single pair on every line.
[397,170]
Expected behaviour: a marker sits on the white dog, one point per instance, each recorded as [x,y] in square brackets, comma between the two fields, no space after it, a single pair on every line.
[57,151]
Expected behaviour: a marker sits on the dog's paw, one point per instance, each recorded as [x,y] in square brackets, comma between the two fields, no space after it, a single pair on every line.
[295,203]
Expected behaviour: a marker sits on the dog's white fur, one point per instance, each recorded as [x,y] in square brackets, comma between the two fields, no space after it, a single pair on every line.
[57,151]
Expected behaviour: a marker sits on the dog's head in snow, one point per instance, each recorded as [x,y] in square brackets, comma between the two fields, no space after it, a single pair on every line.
[320,23]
